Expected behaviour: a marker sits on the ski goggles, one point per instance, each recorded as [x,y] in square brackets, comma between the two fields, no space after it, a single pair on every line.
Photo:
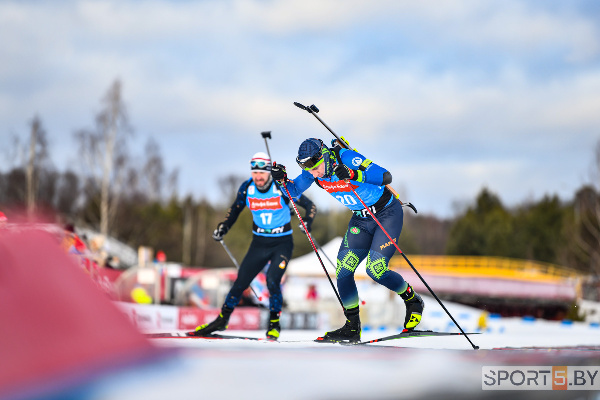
[311,162]
[260,164]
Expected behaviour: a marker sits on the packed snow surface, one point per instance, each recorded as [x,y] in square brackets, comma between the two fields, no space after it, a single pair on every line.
[296,367]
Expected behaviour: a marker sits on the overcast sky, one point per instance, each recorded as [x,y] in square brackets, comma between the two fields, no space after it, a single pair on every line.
[450,96]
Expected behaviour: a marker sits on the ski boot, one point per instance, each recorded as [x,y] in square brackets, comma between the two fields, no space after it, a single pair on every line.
[349,333]
[414,308]
[219,324]
[274,327]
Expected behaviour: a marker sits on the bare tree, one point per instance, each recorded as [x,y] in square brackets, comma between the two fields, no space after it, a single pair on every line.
[201,230]
[153,170]
[103,152]
[587,224]
[67,193]
[188,211]
[229,186]
[172,181]
[35,127]
[38,159]
[14,152]
[587,220]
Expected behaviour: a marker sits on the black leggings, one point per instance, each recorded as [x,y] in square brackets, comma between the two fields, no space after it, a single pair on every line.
[263,249]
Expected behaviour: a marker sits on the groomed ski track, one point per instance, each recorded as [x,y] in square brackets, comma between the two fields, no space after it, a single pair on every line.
[589,341]
[410,368]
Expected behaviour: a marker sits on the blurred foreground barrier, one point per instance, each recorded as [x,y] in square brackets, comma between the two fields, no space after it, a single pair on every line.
[59,330]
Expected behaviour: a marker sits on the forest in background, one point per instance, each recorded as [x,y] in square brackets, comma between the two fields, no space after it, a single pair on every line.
[134,199]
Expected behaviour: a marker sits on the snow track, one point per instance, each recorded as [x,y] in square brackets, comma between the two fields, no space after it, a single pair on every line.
[414,368]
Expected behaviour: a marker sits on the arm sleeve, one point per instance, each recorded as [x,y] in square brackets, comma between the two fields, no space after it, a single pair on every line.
[365,170]
[299,185]
[238,205]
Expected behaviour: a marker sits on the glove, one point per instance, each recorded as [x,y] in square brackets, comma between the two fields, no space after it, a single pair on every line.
[308,226]
[343,172]
[342,144]
[220,232]
[279,173]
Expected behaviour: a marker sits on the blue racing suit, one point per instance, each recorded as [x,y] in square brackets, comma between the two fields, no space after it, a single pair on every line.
[364,238]
[271,239]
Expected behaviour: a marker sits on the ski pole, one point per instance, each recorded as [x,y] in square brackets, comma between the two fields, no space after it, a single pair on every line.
[237,266]
[332,264]
[343,142]
[312,243]
[266,135]
[325,254]
[409,263]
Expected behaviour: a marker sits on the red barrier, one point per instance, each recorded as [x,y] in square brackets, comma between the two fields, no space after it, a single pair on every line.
[57,328]
[243,318]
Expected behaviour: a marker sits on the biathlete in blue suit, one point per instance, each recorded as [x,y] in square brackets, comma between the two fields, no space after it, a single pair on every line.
[272,241]
[337,170]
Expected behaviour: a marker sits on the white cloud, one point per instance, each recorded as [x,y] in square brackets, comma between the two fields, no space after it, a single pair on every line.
[488,91]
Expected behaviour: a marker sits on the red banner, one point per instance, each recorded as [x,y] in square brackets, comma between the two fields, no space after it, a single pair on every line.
[332,187]
[243,318]
[272,203]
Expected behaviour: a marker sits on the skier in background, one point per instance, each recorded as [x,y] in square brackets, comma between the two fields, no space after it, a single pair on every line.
[329,168]
[271,241]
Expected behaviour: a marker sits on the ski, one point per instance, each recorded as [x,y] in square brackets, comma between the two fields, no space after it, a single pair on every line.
[165,335]
[412,334]
[185,335]
[401,335]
